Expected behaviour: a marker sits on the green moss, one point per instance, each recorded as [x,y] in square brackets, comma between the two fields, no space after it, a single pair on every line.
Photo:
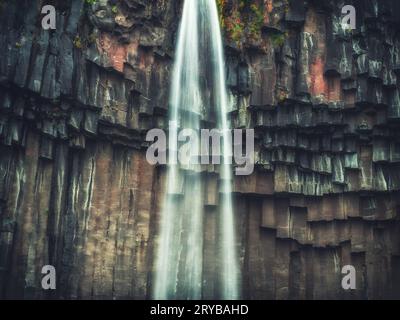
[90,2]
[243,21]
[235,27]
[257,22]
[92,38]
[282,95]
[278,39]
[84,40]
[221,8]
[78,42]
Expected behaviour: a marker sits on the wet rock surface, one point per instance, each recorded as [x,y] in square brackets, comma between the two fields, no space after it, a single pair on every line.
[77,192]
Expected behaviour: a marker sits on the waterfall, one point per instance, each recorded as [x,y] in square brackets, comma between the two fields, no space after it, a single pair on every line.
[197,96]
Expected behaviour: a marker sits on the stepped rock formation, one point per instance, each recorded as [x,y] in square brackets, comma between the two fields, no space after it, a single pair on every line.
[77,192]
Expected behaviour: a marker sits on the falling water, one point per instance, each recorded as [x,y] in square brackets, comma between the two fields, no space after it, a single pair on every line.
[198,95]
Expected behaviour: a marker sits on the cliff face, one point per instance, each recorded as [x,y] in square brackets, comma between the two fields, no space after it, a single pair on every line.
[77,192]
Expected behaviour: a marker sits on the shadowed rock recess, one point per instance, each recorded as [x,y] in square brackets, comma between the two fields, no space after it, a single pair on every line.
[77,192]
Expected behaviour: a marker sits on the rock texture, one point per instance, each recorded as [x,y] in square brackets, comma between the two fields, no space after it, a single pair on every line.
[76,190]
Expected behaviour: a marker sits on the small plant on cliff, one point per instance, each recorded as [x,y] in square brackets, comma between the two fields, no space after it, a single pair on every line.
[282,95]
[256,22]
[114,9]
[92,38]
[78,42]
[243,20]
[235,27]
[221,7]
[90,2]
[278,38]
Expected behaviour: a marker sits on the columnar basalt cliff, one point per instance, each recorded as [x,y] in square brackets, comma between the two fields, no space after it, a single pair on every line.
[77,192]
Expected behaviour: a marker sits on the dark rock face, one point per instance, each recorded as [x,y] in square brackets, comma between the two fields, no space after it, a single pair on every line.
[77,192]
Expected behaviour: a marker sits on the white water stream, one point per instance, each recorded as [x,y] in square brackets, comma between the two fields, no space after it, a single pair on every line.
[198,92]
